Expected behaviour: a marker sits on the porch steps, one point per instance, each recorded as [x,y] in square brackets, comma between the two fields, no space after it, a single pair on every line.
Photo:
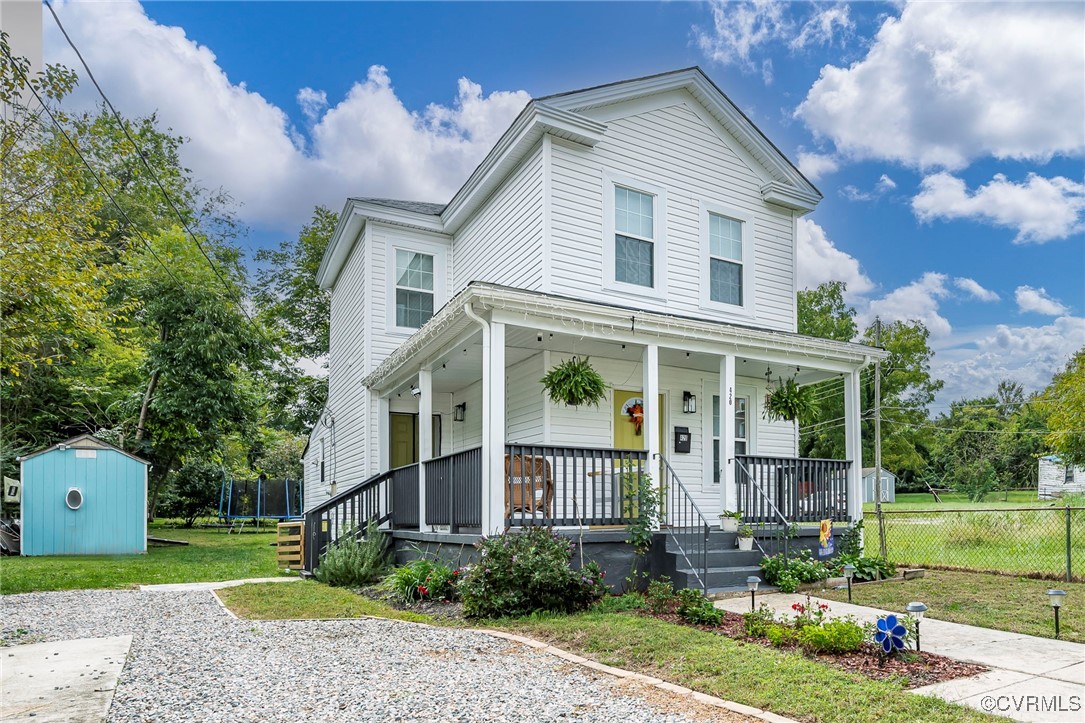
[728,567]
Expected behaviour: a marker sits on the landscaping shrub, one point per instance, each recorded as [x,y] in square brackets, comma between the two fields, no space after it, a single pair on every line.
[866,568]
[660,595]
[842,635]
[194,491]
[756,623]
[355,560]
[779,635]
[521,573]
[788,573]
[423,579]
[697,609]
[620,603]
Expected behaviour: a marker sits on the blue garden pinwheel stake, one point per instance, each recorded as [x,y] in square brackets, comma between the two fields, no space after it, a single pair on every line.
[890,634]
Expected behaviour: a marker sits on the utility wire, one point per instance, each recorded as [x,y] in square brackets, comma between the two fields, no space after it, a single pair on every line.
[154,176]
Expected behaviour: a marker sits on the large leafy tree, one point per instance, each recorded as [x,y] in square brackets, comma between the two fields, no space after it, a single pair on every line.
[1066,398]
[823,312]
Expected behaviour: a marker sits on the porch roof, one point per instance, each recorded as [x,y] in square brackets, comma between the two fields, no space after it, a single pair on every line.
[449,327]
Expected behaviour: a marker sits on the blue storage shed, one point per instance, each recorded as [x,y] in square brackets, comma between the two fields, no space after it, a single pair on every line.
[84,497]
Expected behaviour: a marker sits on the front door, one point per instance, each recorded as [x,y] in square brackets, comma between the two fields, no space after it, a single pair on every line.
[628,433]
[403,436]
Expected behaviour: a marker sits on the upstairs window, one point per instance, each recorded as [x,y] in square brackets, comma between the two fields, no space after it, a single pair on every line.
[725,273]
[634,237]
[414,288]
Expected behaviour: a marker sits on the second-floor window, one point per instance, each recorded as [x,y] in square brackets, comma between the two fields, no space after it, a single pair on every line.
[414,288]
[725,260]
[634,237]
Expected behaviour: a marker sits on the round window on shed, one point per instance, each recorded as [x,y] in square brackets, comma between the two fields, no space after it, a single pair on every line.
[74,498]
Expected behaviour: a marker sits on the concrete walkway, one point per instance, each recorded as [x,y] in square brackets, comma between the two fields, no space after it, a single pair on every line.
[1030,678]
[219,585]
[70,681]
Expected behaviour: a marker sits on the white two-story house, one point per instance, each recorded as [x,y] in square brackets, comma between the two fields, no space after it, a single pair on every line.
[646,225]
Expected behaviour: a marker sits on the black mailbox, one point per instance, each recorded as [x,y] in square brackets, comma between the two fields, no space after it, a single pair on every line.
[681,440]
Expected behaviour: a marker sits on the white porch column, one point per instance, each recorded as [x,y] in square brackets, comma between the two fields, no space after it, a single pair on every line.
[384,422]
[853,443]
[425,439]
[728,491]
[651,404]
[493,420]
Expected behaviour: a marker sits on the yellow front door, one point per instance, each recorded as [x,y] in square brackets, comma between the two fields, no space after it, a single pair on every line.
[628,434]
[403,436]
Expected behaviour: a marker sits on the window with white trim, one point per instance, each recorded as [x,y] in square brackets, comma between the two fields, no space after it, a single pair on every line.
[725,272]
[741,405]
[634,237]
[414,288]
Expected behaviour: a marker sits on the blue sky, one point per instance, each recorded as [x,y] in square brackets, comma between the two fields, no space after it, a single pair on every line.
[948,139]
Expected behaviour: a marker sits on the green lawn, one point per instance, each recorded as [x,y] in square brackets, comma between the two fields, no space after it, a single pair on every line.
[958,500]
[1015,604]
[210,555]
[784,682]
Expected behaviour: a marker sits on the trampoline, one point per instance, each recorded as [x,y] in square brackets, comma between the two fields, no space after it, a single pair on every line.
[260,499]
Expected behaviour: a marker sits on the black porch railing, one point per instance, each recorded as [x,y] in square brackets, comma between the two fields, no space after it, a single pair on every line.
[453,490]
[686,525]
[350,511]
[546,486]
[799,490]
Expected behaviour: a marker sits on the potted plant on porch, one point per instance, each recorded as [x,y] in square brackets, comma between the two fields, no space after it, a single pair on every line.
[745,538]
[575,382]
[729,521]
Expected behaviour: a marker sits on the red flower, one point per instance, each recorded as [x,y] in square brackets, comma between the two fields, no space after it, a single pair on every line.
[423,590]
[822,606]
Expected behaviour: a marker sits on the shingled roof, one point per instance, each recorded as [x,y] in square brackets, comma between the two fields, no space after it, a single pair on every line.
[430,209]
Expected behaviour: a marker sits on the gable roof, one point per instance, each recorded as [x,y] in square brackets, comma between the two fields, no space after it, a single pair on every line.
[561,115]
[82,441]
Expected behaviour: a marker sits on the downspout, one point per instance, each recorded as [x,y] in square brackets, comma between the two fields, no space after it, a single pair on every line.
[487,443]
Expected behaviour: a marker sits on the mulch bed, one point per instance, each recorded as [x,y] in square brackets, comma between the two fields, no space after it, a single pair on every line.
[915,669]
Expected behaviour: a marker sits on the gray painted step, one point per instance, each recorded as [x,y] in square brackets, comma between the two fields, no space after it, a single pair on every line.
[720,576]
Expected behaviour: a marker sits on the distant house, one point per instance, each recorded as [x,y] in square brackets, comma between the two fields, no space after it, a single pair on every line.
[889,486]
[1058,479]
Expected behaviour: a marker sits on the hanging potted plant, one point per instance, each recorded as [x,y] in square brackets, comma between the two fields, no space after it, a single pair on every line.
[575,382]
[790,402]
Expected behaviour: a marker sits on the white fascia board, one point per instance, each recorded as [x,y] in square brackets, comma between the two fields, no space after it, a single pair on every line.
[518,140]
[782,194]
[351,223]
[718,104]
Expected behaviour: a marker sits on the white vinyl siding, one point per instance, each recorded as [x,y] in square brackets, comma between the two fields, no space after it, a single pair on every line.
[503,242]
[678,149]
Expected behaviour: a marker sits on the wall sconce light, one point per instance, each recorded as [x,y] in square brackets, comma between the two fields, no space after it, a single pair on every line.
[459,412]
[689,403]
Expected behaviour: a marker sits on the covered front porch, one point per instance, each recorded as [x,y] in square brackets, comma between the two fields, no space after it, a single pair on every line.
[496,453]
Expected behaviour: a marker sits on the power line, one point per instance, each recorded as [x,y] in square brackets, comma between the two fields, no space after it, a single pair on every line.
[154,175]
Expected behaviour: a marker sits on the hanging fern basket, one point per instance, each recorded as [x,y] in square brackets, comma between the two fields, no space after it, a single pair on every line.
[576,383]
[790,402]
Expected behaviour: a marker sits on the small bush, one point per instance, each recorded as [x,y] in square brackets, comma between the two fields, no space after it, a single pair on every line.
[697,609]
[660,596]
[194,491]
[780,635]
[788,573]
[756,623]
[620,603]
[521,573]
[867,568]
[355,560]
[423,579]
[834,636]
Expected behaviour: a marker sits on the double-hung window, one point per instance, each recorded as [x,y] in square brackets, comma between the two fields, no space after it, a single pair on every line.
[414,288]
[741,405]
[634,237]
[725,277]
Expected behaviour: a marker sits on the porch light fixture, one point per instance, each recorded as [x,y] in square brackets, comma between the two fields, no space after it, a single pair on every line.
[689,403]
[751,584]
[849,574]
[916,609]
[459,412]
[1055,597]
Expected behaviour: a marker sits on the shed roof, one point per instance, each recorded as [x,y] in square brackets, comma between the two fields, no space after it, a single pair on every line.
[83,441]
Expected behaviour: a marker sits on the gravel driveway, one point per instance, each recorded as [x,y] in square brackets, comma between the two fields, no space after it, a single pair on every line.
[190,661]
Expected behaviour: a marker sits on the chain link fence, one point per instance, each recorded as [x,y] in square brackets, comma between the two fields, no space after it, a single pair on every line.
[1042,542]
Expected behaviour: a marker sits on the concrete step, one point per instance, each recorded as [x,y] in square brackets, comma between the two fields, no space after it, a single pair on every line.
[718,577]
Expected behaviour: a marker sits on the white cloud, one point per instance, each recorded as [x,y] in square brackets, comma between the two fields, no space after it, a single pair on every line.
[973,289]
[1040,209]
[739,28]
[817,165]
[819,260]
[820,29]
[972,363]
[883,186]
[917,301]
[368,143]
[1038,301]
[946,83]
[885,183]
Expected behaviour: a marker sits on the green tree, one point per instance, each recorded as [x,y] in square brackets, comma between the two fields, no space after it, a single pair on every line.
[194,491]
[823,313]
[1066,397]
